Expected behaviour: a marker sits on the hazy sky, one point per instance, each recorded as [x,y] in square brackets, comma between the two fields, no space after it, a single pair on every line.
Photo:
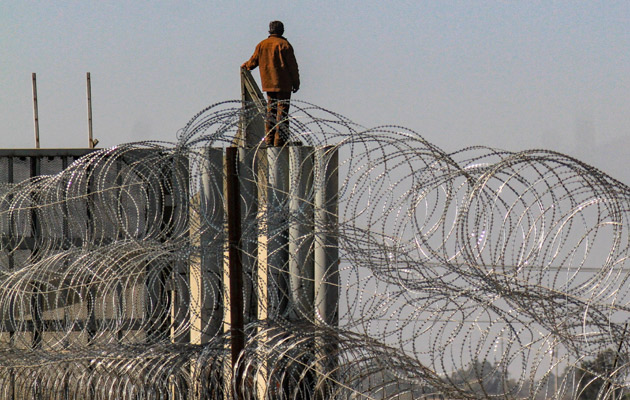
[512,75]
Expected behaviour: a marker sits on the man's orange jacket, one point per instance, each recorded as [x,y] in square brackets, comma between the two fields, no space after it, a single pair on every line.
[278,66]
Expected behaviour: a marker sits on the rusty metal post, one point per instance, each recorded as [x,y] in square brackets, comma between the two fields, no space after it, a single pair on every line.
[35,110]
[237,333]
[91,141]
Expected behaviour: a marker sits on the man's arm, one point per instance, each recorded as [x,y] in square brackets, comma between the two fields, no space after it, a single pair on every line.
[253,61]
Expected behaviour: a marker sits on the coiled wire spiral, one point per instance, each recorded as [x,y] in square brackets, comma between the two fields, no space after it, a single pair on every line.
[475,274]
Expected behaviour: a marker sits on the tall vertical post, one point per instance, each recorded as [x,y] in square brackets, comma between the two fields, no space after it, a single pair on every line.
[247,159]
[326,263]
[35,110]
[207,225]
[206,318]
[277,228]
[89,111]
[301,232]
[237,333]
[262,265]
[326,249]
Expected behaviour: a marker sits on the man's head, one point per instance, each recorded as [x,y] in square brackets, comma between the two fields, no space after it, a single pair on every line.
[276,28]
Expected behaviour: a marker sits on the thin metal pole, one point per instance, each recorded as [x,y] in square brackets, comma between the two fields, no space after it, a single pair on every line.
[35,112]
[237,333]
[89,111]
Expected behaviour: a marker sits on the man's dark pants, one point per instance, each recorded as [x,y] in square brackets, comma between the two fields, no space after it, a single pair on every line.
[277,123]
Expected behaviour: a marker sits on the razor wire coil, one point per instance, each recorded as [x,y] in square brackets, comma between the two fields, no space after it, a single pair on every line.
[480,273]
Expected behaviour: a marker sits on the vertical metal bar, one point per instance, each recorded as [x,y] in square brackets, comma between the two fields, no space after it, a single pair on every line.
[35,111]
[237,333]
[89,111]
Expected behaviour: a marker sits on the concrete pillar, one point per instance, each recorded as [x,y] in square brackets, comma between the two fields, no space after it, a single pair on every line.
[206,269]
[301,232]
[326,265]
[278,231]
[326,251]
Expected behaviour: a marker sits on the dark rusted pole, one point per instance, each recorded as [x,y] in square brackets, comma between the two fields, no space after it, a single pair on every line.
[237,333]
[35,109]
[91,141]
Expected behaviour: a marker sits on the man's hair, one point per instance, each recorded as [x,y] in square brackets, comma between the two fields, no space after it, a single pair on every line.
[276,27]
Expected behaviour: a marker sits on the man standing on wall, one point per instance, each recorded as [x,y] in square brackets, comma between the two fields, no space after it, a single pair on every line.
[280,76]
